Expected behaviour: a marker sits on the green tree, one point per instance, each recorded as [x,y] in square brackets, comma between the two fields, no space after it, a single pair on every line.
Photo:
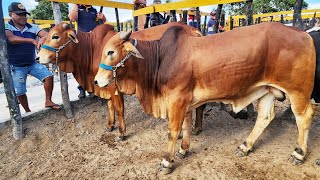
[44,11]
[265,6]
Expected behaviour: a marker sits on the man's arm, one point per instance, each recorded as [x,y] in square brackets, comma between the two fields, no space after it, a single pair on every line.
[13,39]
[73,14]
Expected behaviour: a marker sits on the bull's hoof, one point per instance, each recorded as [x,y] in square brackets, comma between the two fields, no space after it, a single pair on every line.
[110,129]
[240,115]
[238,152]
[119,138]
[295,161]
[165,167]
[196,131]
[242,150]
[318,162]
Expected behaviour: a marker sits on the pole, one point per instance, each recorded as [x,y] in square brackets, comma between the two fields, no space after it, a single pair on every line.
[217,20]
[204,26]
[135,19]
[297,20]
[173,14]
[198,18]
[249,12]
[185,17]
[117,18]
[15,114]
[146,24]
[63,75]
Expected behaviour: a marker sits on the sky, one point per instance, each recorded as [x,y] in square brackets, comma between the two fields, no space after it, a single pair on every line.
[124,14]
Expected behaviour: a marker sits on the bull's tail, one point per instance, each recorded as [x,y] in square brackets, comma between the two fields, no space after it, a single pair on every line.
[316,88]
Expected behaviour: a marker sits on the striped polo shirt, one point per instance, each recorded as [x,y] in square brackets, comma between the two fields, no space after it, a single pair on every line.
[87,18]
[22,54]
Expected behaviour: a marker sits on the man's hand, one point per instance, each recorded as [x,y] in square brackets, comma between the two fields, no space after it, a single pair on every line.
[34,42]
[40,42]
[100,15]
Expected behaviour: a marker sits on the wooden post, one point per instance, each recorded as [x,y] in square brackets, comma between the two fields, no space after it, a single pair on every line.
[249,12]
[297,20]
[135,19]
[14,109]
[217,20]
[231,23]
[63,75]
[126,26]
[173,14]
[243,22]
[313,20]
[271,18]
[185,17]
[281,19]
[121,26]
[146,24]
[204,26]
[198,18]
[259,20]
[117,18]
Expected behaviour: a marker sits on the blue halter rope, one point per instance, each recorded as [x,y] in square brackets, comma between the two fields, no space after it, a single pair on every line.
[49,48]
[56,50]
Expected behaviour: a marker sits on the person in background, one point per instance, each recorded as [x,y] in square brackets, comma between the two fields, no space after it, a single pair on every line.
[21,38]
[211,23]
[192,19]
[87,19]
[157,18]
[86,16]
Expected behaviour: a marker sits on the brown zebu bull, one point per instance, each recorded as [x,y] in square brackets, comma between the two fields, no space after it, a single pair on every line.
[178,73]
[83,60]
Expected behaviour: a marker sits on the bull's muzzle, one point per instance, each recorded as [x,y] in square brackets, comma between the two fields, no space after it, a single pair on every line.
[102,82]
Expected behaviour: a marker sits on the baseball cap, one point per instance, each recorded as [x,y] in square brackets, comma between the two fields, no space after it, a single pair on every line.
[17,8]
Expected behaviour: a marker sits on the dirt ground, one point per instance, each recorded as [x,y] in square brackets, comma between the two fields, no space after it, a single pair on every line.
[80,148]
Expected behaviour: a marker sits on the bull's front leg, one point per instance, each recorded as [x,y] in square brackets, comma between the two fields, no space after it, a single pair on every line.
[199,117]
[111,113]
[176,117]
[118,102]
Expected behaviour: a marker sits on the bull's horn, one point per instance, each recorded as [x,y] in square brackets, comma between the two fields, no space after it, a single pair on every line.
[65,26]
[125,35]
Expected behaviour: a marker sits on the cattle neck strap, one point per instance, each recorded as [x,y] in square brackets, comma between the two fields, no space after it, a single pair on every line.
[48,48]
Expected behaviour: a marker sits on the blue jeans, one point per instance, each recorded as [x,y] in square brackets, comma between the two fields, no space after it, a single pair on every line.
[19,76]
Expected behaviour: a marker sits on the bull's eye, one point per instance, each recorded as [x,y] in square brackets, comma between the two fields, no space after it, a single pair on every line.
[110,53]
[55,37]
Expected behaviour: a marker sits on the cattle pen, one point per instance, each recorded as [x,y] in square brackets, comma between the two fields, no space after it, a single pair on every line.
[76,145]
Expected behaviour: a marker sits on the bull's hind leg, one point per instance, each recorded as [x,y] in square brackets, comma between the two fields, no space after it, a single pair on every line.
[186,131]
[303,113]
[111,120]
[119,106]
[266,114]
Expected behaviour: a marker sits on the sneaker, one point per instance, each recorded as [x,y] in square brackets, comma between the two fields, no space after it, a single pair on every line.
[91,94]
[82,94]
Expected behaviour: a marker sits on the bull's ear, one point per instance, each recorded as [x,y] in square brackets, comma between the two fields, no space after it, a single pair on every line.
[73,36]
[133,50]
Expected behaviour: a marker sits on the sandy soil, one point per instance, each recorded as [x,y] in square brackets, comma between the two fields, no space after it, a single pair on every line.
[58,148]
